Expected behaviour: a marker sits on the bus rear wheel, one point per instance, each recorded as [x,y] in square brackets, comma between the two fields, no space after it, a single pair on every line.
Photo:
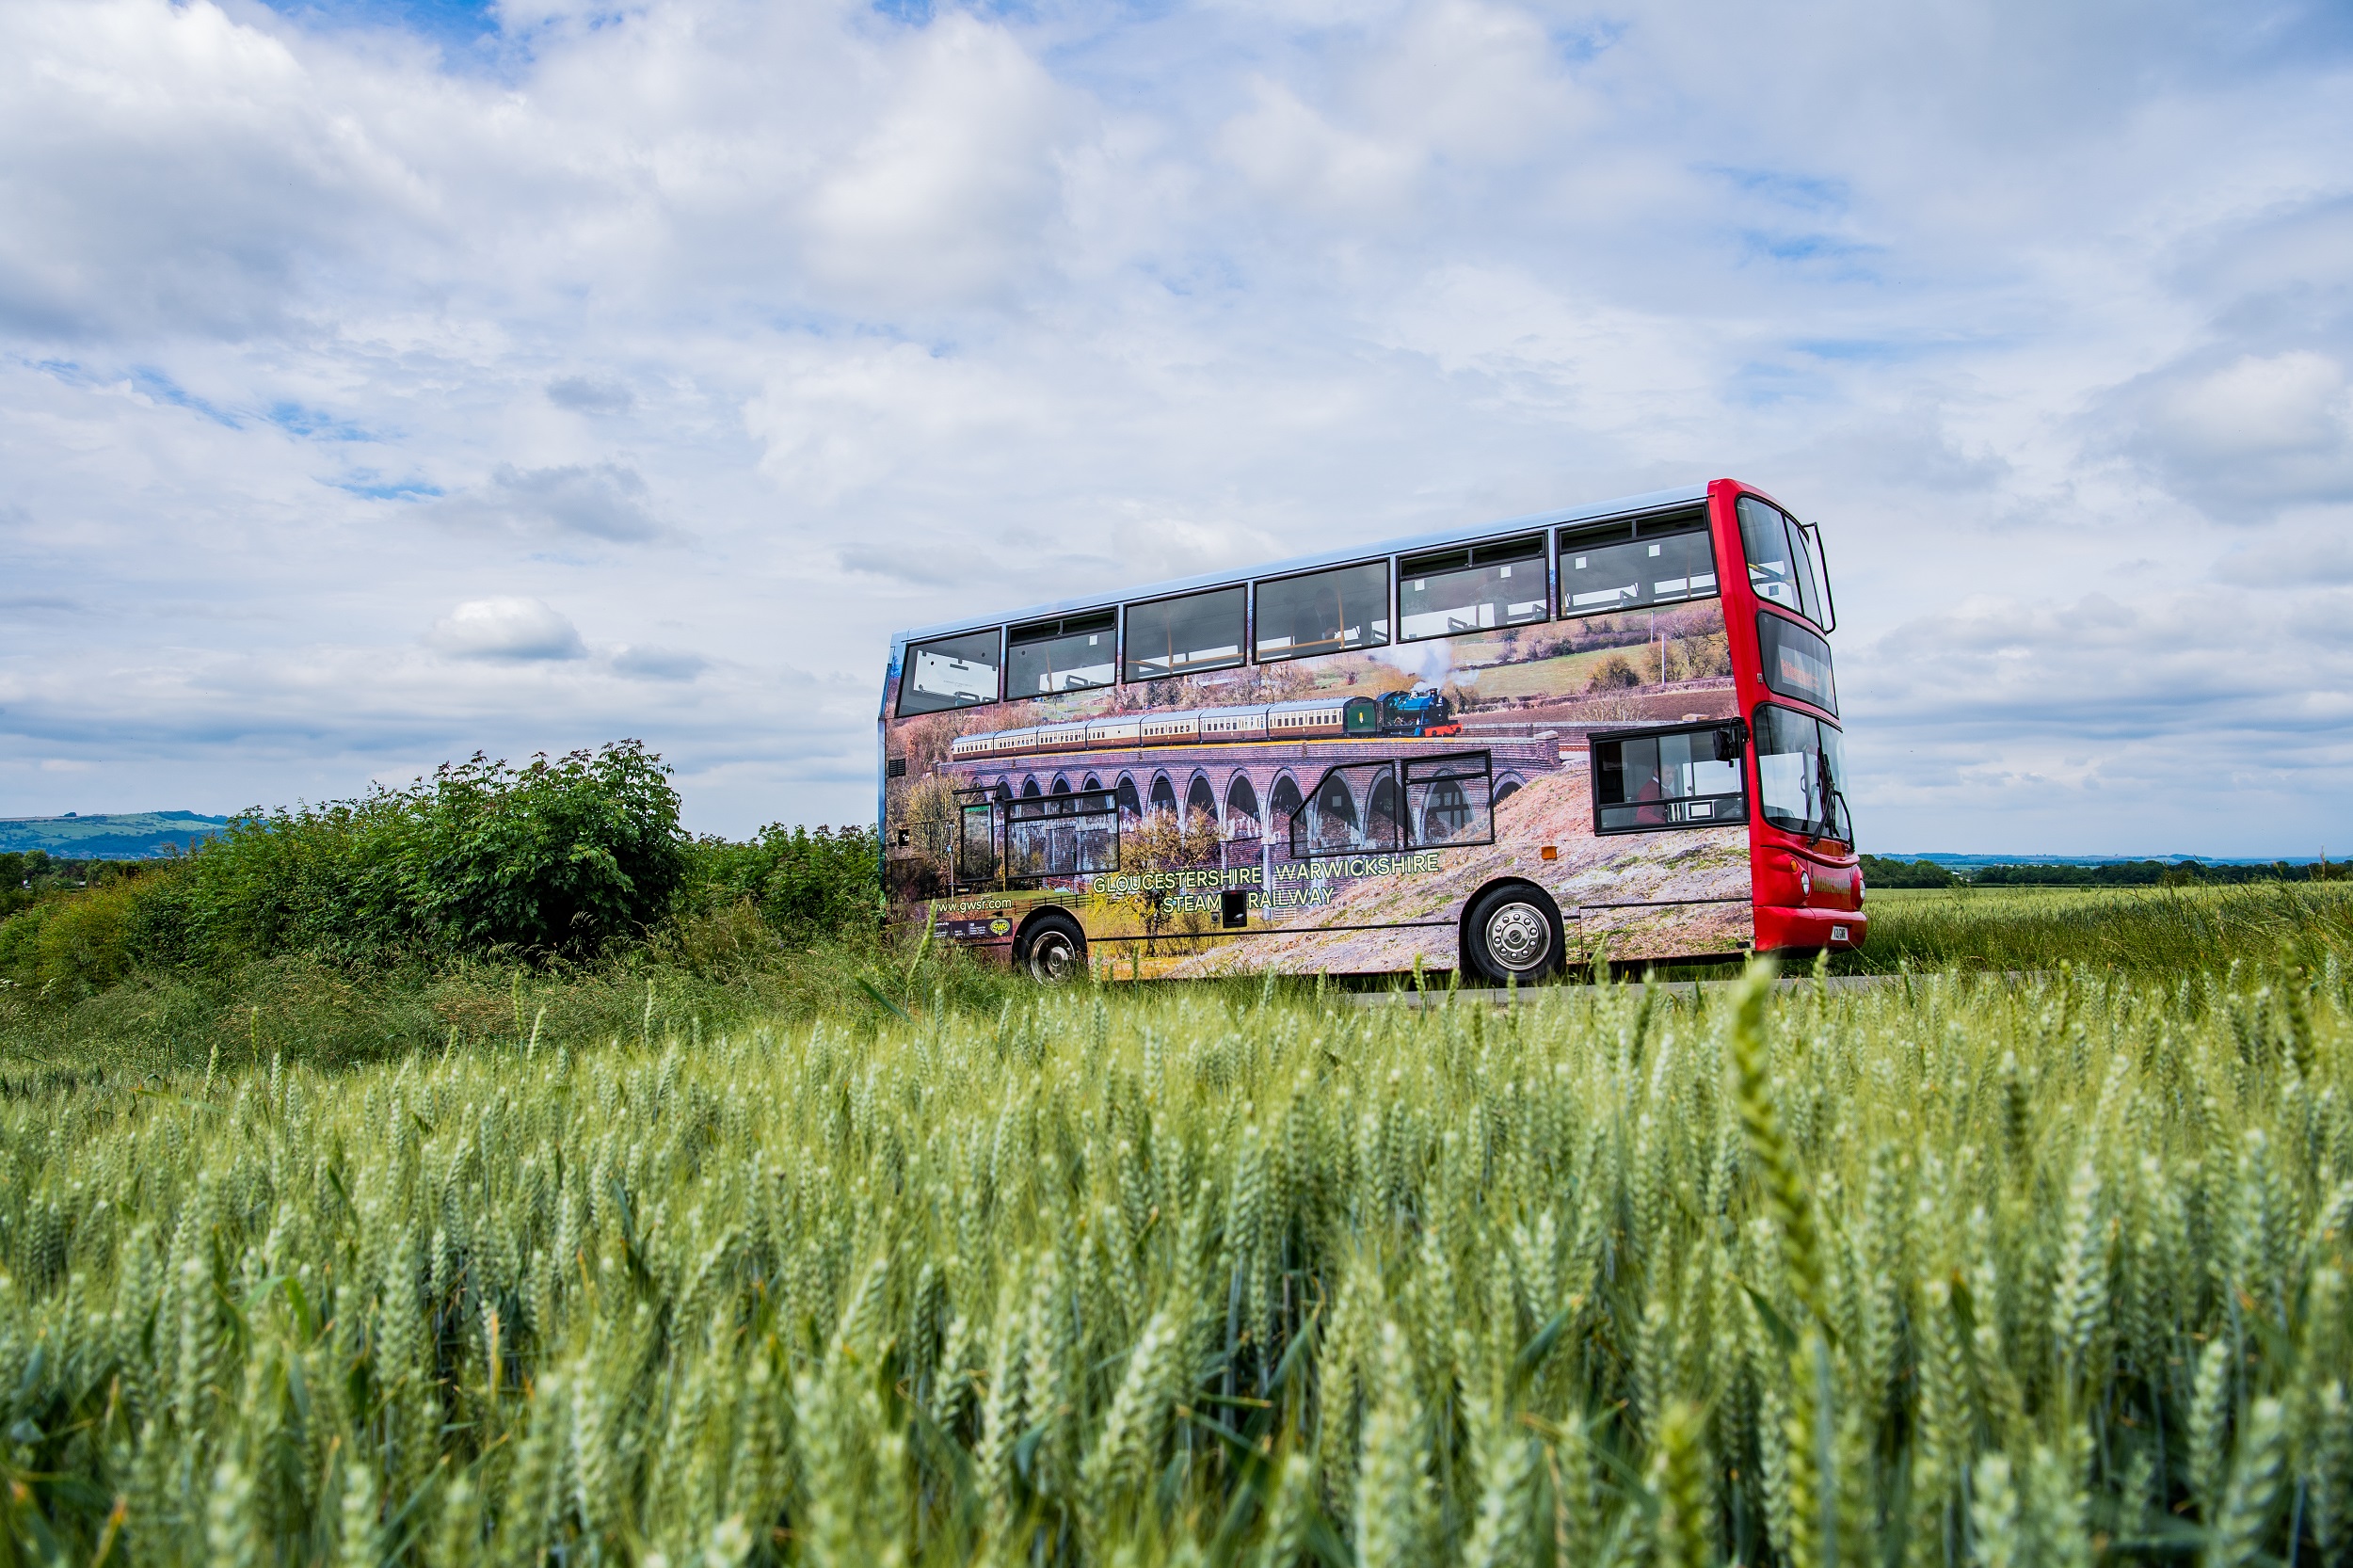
[1054,950]
[1513,934]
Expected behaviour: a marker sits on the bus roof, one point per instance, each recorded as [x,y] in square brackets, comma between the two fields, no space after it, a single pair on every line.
[1462,533]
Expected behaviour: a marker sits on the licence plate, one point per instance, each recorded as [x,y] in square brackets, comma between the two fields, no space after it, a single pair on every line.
[1838,934]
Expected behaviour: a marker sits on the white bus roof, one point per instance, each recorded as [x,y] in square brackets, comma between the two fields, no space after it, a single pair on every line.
[1463,534]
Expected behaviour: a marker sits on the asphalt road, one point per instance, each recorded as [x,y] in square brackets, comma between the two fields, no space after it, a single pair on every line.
[1685,990]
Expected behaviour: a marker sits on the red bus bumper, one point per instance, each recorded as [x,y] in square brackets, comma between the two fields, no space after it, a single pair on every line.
[1808,928]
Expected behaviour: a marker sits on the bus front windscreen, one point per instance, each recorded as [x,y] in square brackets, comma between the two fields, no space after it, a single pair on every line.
[1801,774]
[1780,567]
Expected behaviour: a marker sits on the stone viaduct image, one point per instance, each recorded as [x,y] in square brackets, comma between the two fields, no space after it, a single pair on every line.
[1248,788]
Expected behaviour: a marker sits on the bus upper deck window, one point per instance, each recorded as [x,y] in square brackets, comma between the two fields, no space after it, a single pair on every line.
[1780,568]
[1184,636]
[1325,612]
[1444,593]
[1637,563]
[949,672]
[1071,654]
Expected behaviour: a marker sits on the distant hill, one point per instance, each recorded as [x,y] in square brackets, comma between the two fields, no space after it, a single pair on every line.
[118,836]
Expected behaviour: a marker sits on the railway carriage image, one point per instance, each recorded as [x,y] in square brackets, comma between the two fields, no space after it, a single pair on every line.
[1558,740]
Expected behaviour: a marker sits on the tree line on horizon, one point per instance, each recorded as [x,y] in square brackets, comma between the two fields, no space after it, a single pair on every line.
[1892,871]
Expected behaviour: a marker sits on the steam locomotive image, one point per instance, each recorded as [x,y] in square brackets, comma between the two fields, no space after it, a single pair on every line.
[1424,712]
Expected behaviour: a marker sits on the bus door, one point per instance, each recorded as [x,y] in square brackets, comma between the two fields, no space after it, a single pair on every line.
[978,863]
[1033,838]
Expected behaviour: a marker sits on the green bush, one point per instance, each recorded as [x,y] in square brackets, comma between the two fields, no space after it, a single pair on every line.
[558,858]
[386,923]
[805,883]
[65,949]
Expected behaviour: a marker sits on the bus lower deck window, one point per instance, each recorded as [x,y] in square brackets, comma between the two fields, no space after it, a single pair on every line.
[1667,779]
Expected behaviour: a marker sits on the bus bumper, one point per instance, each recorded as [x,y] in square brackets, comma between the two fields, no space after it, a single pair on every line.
[1808,929]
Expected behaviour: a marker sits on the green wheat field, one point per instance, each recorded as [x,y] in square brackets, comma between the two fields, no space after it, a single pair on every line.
[2009,1262]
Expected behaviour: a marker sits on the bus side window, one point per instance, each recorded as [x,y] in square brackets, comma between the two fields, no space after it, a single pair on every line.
[1067,655]
[1653,779]
[949,672]
[1183,636]
[1449,800]
[1444,593]
[1632,564]
[1323,612]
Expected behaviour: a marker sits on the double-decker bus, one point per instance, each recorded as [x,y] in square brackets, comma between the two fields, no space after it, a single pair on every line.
[1602,734]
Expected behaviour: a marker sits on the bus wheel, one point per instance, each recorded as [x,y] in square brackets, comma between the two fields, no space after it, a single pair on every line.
[1513,933]
[1056,949]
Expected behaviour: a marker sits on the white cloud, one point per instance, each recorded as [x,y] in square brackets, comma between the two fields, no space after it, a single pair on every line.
[2250,436]
[762,331]
[944,197]
[1297,157]
[586,394]
[608,501]
[650,663]
[517,629]
[2257,406]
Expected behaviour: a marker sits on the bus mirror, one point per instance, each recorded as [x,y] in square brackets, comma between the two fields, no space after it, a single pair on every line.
[1812,532]
[1729,739]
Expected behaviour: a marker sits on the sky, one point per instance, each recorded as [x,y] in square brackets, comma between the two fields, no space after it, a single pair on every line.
[386,381]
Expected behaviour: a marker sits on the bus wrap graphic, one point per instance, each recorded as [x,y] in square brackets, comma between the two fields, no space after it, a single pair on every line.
[1507,755]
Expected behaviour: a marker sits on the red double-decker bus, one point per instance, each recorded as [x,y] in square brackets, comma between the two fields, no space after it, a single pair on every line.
[1600,734]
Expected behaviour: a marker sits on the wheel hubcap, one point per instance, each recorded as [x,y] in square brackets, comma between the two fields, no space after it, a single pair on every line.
[1053,957]
[1519,935]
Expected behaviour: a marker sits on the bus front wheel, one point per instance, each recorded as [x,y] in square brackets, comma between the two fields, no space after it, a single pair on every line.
[1513,934]
[1054,949]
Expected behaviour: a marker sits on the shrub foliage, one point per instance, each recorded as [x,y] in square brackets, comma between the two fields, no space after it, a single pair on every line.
[558,857]
[568,859]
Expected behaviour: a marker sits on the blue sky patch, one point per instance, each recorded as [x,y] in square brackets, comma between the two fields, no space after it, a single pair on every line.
[458,21]
[1577,46]
[1806,192]
[369,487]
[163,389]
[1826,255]
[1866,351]
[315,423]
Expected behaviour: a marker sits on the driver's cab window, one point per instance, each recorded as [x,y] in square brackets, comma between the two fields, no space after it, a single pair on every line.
[1659,779]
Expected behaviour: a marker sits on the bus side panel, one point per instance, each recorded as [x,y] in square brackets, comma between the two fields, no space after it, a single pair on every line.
[1683,892]
[1207,820]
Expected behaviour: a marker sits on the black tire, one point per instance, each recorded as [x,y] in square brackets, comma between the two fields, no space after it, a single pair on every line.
[1513,934]
[1054,949]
